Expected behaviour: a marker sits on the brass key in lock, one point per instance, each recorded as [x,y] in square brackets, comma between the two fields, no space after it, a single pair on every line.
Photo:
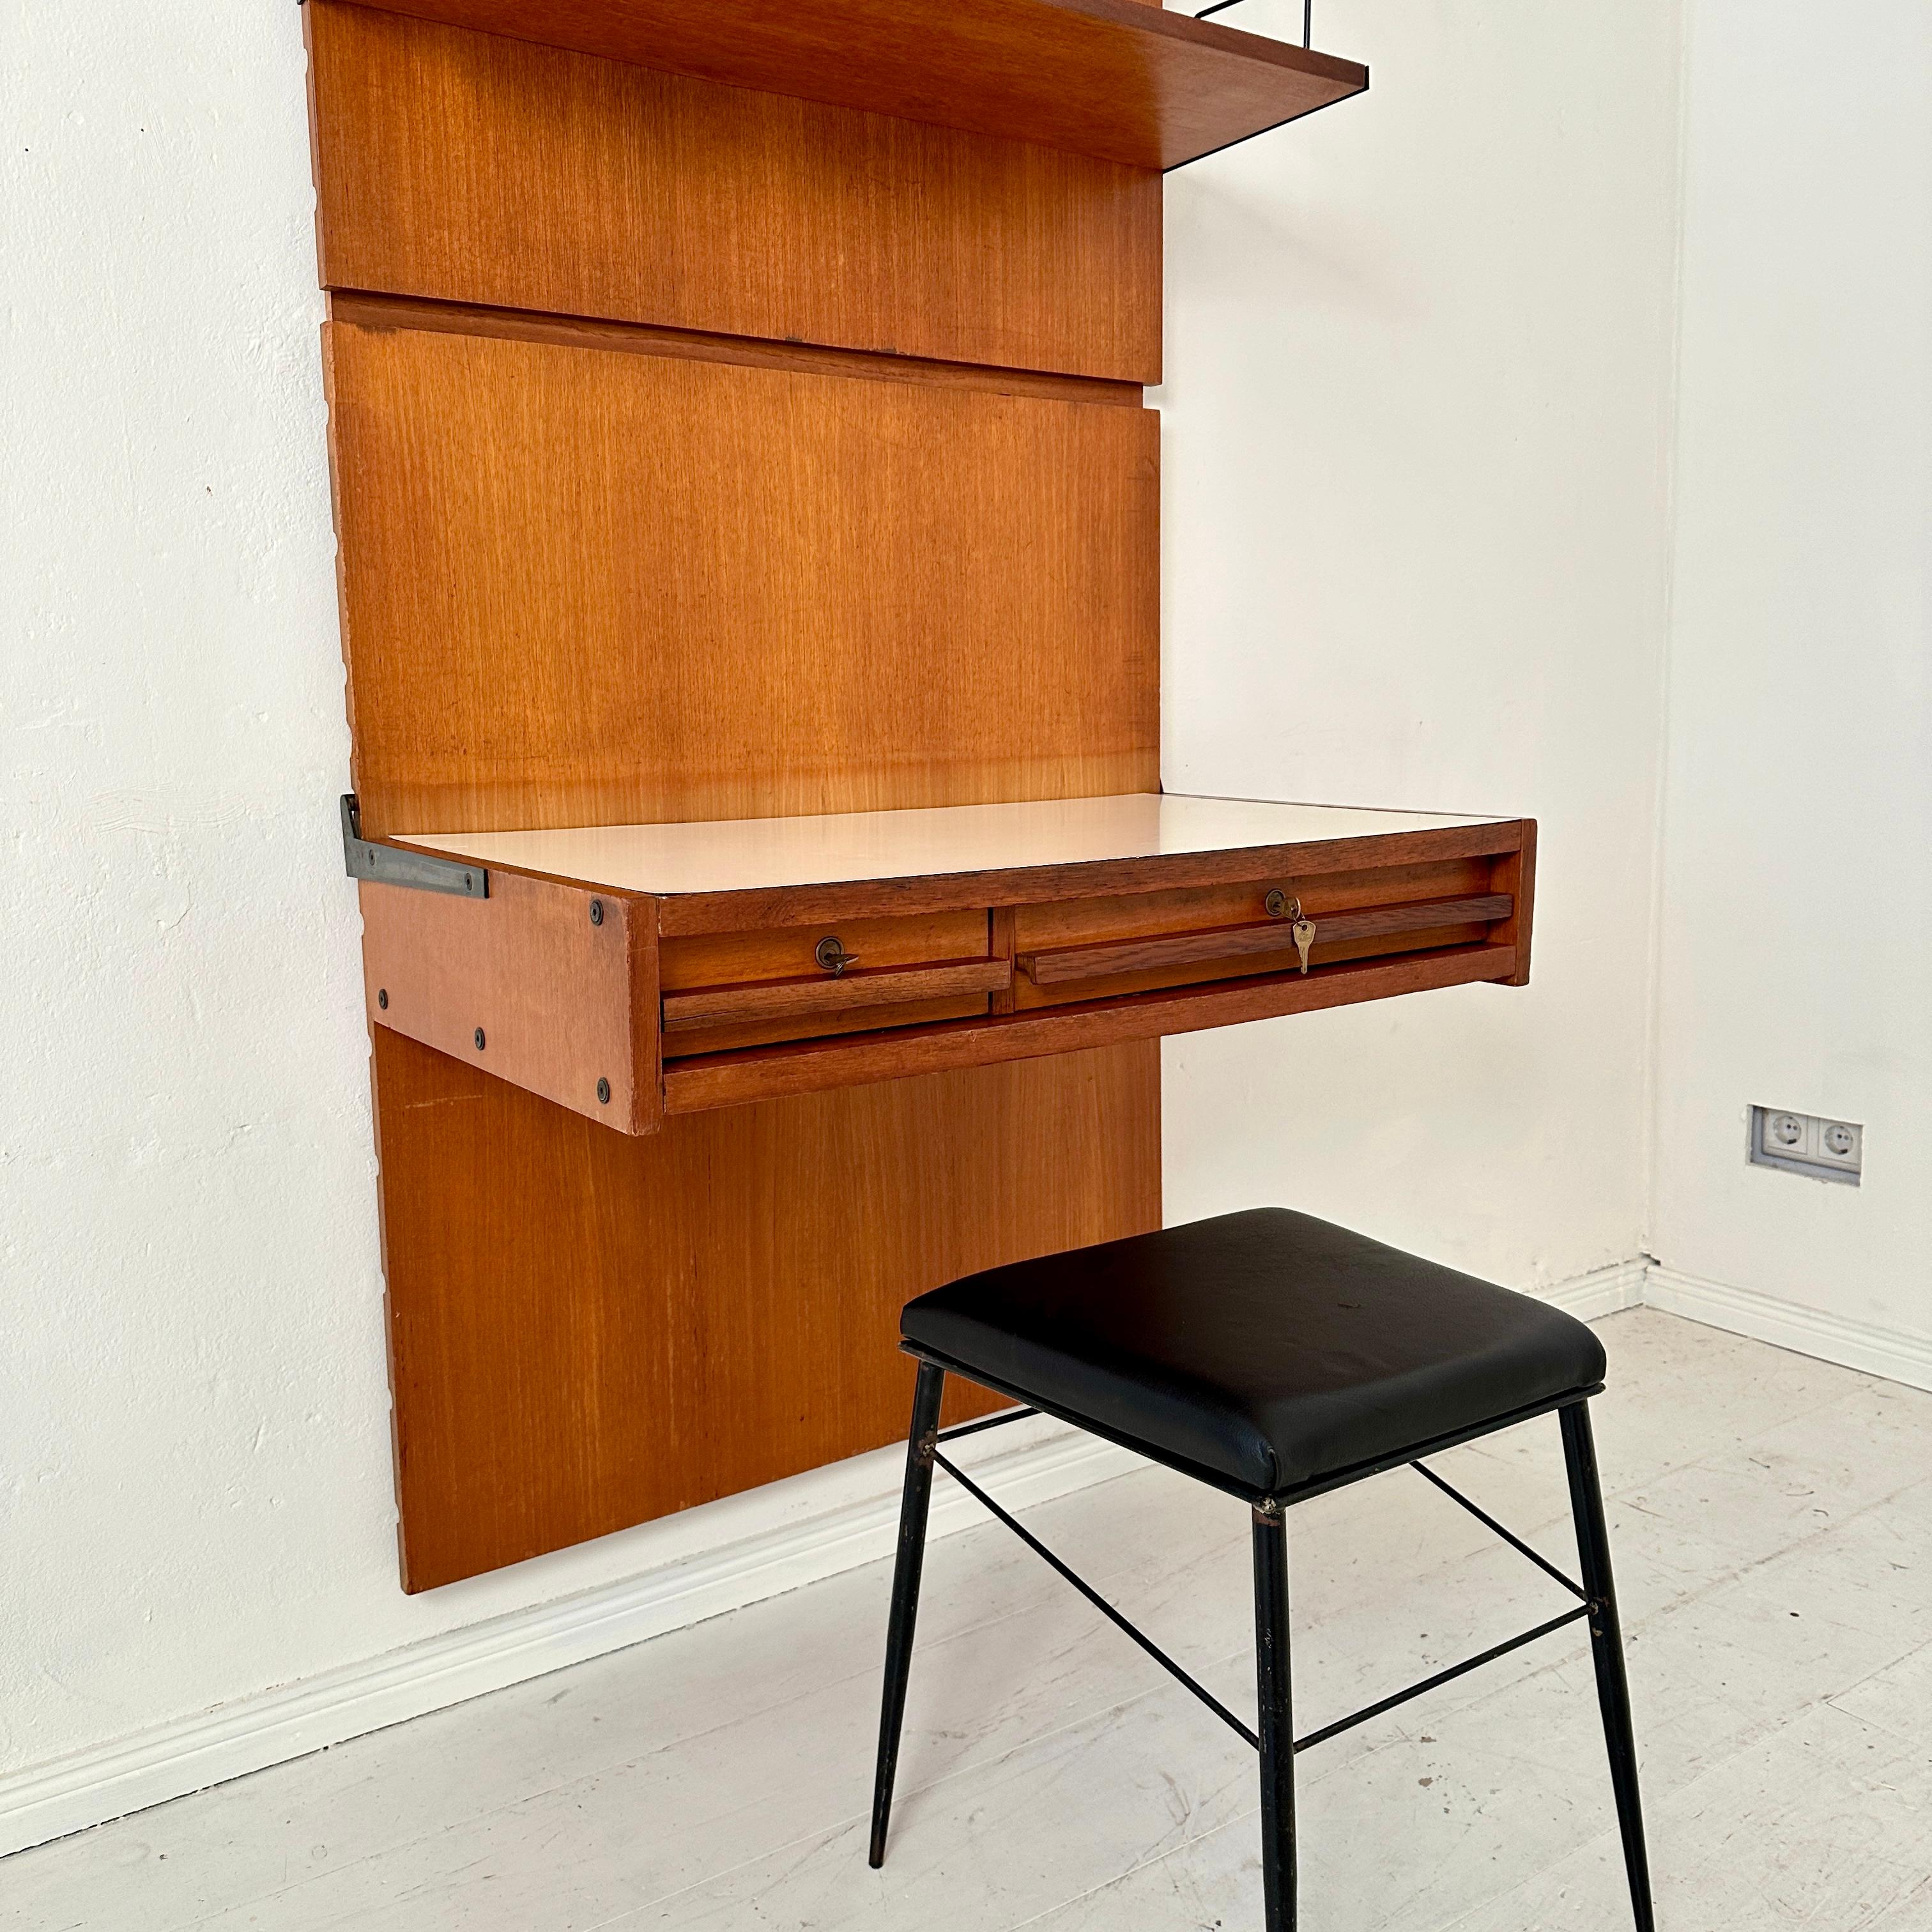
[1278,905]
[1304,930]
[831,954]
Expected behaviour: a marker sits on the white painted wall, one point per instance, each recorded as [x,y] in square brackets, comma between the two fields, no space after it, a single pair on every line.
[1796,931]
[1415,451]
[1417,413]
[1420,363]
[195,1495]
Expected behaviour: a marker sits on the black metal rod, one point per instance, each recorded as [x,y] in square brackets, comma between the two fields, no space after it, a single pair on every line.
[1515,1542]
[913,1507]
[1274,1708]
[1005,1416]
[1307,17]
[1455,1670]
[1099,1603]
[1342,1478]
[1593,1552]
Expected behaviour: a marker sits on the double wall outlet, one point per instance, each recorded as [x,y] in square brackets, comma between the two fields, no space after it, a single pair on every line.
[1807,1144]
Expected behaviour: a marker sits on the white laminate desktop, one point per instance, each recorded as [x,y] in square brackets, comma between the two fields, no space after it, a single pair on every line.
[754,854]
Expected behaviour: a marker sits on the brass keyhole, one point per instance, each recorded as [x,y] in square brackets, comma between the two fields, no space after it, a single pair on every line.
[1278,905]
[831,954]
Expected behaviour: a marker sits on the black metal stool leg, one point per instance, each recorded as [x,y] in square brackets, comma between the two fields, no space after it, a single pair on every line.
[920,1446]
[1275,1711]
[1593,1550]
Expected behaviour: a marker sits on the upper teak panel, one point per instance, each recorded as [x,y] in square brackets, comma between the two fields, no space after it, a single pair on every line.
[465,167]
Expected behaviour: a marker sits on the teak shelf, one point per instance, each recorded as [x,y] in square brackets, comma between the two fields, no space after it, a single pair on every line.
[748,514]
[1114,79]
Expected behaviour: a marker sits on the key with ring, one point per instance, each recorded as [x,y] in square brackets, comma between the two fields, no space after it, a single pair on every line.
[1278,905]
[1304,930]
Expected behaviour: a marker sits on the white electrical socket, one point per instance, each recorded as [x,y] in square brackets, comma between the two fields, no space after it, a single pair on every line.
[1827,1150]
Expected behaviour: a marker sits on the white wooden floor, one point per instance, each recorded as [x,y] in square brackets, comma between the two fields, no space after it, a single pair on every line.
[1772,1521]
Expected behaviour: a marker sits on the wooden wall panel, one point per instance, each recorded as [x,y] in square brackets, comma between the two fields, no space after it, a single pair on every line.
[589,1330]
[644,580]
[471,168]
[581,586]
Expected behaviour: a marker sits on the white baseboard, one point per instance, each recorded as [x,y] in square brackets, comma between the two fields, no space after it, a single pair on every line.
[830,1521]
[1602,1292]
[797,1543]
[1896,1354]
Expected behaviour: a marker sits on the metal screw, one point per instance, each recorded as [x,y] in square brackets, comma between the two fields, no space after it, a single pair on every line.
[604,1092]
[479,1039]
[596,912]
[382,997]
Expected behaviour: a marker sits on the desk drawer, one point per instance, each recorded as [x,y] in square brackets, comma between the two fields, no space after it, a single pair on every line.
[1100,948]
[725,991]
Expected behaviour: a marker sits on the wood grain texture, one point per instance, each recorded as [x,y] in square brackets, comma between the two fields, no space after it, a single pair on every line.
[634,338]
[590,588]
[1416,916]
[791,952]
[1088,921]
[1223,948]
[560,1002]
[478,169]
[1031,997]
[1515,873]
[1220,944]
[1000,937]
[1110,78]
[731,1080]
[785,999]
[729,1036]
[590,1331]
[1319,870]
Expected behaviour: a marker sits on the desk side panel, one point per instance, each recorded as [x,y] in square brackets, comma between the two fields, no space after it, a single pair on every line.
[589,1330]
[551,986]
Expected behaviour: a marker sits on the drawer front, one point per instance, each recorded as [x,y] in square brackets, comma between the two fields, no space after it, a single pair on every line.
[791,952]
[1098,948]
[726,990]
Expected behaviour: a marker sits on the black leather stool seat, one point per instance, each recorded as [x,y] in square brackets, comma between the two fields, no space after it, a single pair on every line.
[1268,1348]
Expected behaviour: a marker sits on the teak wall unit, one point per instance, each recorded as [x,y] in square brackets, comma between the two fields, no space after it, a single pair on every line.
[735,415]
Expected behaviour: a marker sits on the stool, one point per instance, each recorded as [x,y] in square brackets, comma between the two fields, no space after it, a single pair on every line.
[1277,1358]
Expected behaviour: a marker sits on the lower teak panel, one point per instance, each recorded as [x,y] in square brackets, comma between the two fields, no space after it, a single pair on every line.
[588,1331]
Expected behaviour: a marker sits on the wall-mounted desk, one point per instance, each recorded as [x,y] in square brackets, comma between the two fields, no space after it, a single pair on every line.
[632,971]
[749,575]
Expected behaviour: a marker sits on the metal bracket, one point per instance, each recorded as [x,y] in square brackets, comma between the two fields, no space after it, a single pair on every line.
[391,865]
